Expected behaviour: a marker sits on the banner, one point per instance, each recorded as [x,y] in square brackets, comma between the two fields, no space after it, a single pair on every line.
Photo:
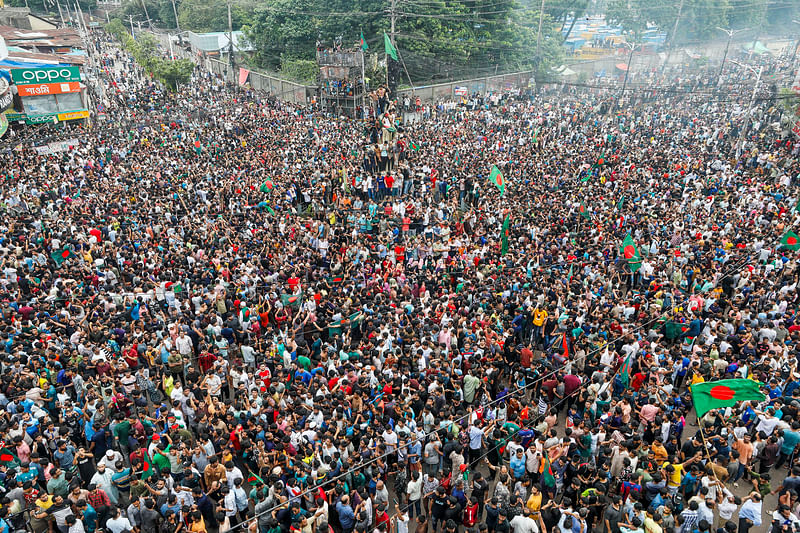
[49,88]
[3,124]
[56,147]
[243,74]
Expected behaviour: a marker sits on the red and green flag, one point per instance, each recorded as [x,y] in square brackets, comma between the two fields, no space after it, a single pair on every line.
[414,146]
[267,186]
[253,479]
[790,240]
[61,255]
[7,457]
[496,177]
[625,371]
[548,478]
[364,45]
[724,393]
[198,146]
[584,211]
[147,466]
[797,206]
[630,252]
[504,235]
[456,159]
[292,300]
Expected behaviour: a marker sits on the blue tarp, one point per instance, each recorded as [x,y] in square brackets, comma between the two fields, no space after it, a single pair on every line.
[10,63]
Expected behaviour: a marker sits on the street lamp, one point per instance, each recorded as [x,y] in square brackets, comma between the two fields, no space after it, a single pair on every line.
[749,106]
[730,33]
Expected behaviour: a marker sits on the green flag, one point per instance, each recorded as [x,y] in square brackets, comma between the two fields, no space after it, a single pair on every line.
[586,177]
[364,42]
[497,178]
[620,203]
[147,466]
[504,232]
[548,478]
[254,480]
[797,207]
[789,241]
[569,276]
[630,252]
[724,393]
[414,146]
[292,300]
[271,211]
[625,371]
[8,458]
[456,159]
[60,255]
[584,211]
[388,47]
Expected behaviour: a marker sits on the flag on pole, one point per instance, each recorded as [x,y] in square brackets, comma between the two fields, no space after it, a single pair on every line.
[414,146]
[147,466]
[790,240]
[364,42]
[625,371]
[584,212]
[292,300]
[497,178]
[388,47]
[548,478]
[198,146]
[630,252]
[504,233]
[724,393]
[253,479]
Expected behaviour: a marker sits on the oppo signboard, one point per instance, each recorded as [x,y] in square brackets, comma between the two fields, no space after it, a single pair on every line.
[30,76]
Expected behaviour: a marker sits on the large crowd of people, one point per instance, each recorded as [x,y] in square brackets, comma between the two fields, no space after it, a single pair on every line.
[222,312]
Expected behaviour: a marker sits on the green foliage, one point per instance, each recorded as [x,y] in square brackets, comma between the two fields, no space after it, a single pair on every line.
[436,39]
[144,50]
[204,16]
[302,70]
[49,7]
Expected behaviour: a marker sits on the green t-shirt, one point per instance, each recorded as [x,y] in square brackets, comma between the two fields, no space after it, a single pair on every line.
[122,430]
[162,461]
[304,361]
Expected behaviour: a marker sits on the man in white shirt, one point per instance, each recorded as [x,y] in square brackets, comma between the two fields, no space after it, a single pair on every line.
[118,523]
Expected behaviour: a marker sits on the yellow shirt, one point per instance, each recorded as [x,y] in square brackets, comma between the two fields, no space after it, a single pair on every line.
[674,478]
[539,316]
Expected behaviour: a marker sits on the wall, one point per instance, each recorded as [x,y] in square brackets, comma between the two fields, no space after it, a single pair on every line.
[285,90]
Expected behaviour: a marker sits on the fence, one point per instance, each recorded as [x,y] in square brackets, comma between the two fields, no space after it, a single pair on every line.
[445,91]
[288,91]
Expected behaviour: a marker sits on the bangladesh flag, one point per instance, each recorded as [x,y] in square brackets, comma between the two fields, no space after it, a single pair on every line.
[569,276]
[252,478]
[292,300]
[724,393]
[790,240]
[456,159]
[584,211]
[388,47]
[198,147]
[147,466]
[797,207]
[548,478]
[620,203]
[414,146]
[267,186]
[8,458]
[630,252]
[271,211]
[364,42]
[625,371]
[497,178]
[61,255]
[504,235]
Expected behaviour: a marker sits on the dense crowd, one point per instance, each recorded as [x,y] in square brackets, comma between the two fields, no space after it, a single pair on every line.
[222,312]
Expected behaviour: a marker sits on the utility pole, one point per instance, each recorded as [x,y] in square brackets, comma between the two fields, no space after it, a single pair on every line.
[147,16]
[672,37]
[730,33]
[231,59]
[539,36]
[60,13]
[175,12]
[130,18]
[627,71]
[749,110]
[392,18]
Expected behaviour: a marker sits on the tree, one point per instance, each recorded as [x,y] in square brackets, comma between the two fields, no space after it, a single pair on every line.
[203,16]
[436,38]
